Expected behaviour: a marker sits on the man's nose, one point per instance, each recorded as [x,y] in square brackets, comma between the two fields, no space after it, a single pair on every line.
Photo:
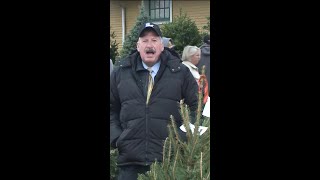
[149,44]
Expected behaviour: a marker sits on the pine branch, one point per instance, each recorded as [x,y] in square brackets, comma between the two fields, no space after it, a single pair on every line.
[174,127]
[164,152]
[154,173]
[201,165]
[208,177]
[186,117]
[169,154]
[174,164]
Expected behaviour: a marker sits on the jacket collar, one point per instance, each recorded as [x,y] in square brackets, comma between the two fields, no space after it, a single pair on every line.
[167,59]
[190,64]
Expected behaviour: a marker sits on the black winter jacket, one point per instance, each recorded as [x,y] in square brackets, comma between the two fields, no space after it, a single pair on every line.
[138,130]
[173,52]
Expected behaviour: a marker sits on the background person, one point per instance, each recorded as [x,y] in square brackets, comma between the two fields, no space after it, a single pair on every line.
[191,57]
[205,58]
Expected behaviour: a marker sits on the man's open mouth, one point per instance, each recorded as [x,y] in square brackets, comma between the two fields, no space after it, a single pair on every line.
[150,52]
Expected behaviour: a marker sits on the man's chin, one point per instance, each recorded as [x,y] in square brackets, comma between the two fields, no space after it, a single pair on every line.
[150,61]
[147,60]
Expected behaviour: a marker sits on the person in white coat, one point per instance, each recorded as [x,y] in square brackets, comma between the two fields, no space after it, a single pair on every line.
[191,57]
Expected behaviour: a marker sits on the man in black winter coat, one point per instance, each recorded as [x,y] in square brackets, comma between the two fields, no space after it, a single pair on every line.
[138,127]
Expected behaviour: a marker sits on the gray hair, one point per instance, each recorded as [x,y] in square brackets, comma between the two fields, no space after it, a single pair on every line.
[189,51]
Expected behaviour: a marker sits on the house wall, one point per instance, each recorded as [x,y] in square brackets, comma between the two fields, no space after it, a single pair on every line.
[132,9]
[196,10]
[115,21]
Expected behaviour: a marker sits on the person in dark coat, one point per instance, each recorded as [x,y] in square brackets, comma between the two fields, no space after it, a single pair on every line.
[111,66]
[205,58]
[169,45]
[138,124]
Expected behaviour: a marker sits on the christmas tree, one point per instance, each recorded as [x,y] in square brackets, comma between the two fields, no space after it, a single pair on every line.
[130,42]
[184,160]
[113,163]
[114,45]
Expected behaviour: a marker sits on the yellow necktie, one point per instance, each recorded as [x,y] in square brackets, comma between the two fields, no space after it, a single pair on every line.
[150,85]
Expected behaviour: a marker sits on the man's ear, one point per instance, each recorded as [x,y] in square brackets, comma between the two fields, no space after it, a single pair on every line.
[138,46]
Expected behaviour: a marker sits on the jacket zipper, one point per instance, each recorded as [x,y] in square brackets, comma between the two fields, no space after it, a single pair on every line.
[147,130]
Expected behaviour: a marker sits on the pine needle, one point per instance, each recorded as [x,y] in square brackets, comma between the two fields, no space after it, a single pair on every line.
[164,151]
[201,165]
[208,175]
[154,172]
[174,164]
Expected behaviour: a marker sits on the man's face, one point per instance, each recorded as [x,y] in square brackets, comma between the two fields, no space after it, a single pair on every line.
[150,47]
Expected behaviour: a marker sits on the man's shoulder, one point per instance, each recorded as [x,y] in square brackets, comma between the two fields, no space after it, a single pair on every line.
[127,61]
[172,61]
[172,52]
[177,66]
[170,56]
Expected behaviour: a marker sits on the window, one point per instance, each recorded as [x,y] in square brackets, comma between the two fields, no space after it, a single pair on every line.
[160,10]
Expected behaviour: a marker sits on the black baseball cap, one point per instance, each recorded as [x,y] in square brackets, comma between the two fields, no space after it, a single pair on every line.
[150,25]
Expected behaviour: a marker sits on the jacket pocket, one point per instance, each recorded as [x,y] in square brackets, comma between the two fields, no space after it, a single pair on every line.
[122,136]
